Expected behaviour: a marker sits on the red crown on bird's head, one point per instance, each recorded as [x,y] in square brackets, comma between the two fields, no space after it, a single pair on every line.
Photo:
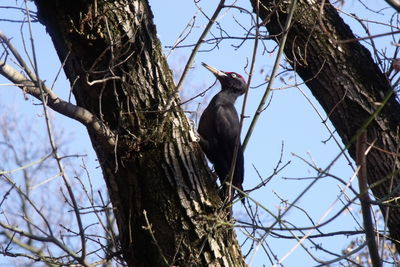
[237,74]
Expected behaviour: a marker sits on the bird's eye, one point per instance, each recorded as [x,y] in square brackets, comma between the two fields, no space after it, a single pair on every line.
[233,75]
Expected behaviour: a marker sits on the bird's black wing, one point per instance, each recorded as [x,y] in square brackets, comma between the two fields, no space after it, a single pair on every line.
[207,132]
[226,124]
[227,130]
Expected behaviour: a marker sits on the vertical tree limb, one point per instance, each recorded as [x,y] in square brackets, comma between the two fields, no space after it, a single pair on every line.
[361,155]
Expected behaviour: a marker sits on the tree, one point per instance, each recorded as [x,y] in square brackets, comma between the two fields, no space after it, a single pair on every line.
[164,201]
[167,208]
[351,88]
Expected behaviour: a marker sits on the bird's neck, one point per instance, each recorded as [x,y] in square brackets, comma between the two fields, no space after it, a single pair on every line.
[226,97]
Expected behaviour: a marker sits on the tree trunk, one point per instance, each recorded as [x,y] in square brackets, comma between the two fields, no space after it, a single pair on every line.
[166,205]
[349,86]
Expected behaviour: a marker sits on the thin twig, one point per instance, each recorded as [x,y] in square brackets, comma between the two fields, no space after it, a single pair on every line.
[242,113]
[149,228]
[274,70]
[361,159]
[54,147]
[194,52]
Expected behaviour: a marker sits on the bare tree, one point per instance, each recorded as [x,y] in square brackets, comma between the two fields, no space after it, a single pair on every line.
[167,209]
[165,202]
[357,96]
[33,225]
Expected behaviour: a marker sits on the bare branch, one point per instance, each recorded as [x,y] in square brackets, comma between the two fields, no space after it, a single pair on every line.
[194,51]
[361,154]
[54,102]
[274,70]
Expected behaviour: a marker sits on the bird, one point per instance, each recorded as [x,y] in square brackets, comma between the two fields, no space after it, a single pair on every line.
[219,130]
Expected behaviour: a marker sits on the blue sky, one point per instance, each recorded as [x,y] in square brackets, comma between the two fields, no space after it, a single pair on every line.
[289,119]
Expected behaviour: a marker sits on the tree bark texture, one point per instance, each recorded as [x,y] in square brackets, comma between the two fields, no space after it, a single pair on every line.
[349,86]
[166,205]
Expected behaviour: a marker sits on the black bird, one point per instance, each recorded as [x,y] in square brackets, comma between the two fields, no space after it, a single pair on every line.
[219,129]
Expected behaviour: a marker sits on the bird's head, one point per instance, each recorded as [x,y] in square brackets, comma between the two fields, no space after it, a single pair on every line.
[229,80]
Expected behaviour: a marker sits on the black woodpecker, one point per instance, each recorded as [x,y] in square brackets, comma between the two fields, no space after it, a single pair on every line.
[219,129]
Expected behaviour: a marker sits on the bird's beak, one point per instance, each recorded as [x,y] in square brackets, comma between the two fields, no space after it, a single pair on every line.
[216,72]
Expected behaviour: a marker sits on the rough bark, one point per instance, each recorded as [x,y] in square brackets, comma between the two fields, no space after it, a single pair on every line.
[166,205]
[349,86]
